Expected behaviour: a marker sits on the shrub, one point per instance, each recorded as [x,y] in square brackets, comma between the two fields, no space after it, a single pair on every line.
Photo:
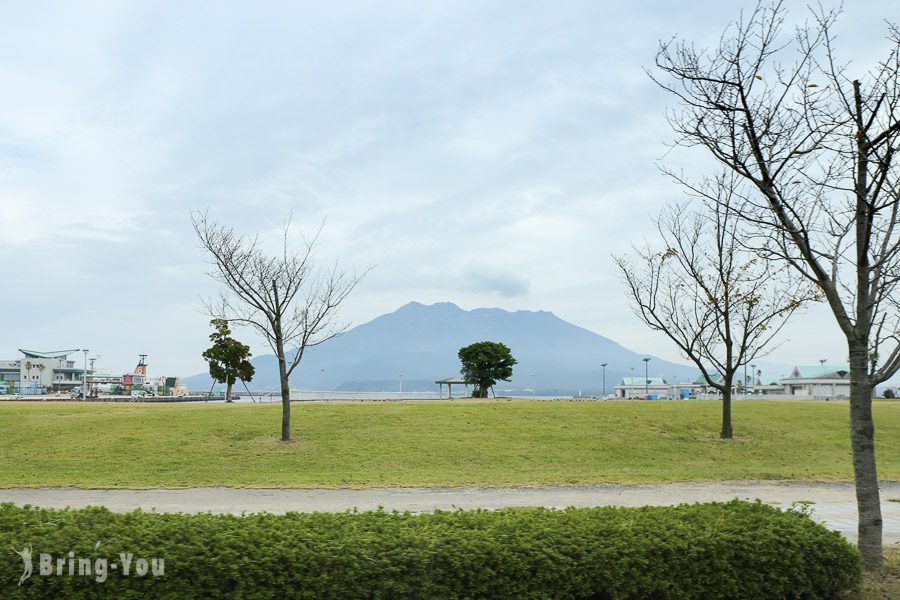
[721,550]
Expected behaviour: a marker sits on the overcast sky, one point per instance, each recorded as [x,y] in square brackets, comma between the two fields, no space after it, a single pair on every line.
[491,154]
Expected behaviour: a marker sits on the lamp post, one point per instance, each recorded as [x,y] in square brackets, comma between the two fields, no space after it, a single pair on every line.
[753,375]
[646,380]
[532,386]
[744,385]
[604,378]
[84,381]
[401,384]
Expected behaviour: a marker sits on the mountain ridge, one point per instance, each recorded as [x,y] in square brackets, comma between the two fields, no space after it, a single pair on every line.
[420,342]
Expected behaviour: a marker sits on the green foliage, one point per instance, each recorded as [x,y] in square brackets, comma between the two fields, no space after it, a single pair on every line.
[728,550]
[486,363]
[228,358]
[889,393]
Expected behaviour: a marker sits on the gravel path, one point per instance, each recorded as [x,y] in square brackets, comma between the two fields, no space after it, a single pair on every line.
[833,503]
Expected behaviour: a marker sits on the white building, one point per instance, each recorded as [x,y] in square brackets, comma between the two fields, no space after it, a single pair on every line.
[651,388]
[823,381]
[40,371]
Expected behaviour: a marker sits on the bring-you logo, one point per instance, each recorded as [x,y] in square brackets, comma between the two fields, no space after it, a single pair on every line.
[98,567]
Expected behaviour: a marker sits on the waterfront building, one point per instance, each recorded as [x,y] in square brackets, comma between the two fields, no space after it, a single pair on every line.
[37,372]
[822,381]
[651,388]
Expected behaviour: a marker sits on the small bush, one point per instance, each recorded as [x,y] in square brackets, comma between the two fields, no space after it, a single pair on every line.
[721,550]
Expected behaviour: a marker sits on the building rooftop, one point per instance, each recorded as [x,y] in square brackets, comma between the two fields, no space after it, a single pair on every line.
[643,381]
[821,372]
[56,354]
[716,377]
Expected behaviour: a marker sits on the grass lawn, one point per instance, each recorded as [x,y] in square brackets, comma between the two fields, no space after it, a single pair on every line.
[468,442]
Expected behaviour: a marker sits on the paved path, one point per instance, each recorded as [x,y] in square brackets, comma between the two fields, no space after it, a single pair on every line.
[833,503]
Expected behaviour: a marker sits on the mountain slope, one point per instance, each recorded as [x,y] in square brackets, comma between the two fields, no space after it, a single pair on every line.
[420,343]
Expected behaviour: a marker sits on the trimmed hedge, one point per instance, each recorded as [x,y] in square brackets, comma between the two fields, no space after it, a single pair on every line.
[720,550]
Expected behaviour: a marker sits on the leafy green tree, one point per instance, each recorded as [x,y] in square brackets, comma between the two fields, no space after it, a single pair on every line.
[486,363]
[889,393]
[229,360]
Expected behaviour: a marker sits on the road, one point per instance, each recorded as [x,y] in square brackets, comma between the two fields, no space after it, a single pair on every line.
[832,503]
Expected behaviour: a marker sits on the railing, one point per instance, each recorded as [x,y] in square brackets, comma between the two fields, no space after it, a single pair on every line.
[769,397]
[332,396]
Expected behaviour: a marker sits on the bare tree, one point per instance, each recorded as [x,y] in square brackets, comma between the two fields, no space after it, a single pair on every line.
[284,297]
[719,303]
[818,147]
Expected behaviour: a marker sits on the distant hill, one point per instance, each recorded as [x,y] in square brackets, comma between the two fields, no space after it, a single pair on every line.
[421,343]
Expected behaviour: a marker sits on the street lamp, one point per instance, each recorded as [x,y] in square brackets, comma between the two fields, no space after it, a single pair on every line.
[646,380]
[532,386]
[401,384]
[753,376]
[604,378]
[84,378]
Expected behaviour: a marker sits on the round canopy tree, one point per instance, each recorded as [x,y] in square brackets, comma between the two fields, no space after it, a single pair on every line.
[229,360]
[486,363]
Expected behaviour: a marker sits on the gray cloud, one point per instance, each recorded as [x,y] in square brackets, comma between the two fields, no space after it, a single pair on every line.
[506,143]
[491,280]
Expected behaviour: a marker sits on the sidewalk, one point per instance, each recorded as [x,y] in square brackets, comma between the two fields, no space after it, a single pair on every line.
[833,504]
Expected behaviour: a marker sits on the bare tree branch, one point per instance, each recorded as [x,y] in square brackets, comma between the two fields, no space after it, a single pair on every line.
[292,304]
[818,147]
[718,302]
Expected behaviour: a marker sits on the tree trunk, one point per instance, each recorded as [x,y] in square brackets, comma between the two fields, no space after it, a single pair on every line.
[726,432]
[285,396]
[228,390]
[865,474]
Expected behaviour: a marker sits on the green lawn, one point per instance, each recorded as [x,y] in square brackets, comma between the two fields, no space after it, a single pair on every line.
[486,442]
